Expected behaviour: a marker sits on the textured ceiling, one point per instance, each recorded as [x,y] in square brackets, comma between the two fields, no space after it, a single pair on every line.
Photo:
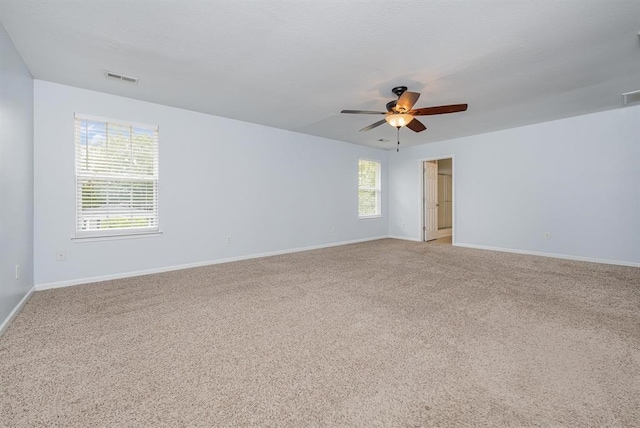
[296,64]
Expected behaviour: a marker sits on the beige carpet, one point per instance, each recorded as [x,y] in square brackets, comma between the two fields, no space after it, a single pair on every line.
[385,333]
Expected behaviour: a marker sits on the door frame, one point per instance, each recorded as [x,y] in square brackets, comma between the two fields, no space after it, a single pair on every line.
[453,196]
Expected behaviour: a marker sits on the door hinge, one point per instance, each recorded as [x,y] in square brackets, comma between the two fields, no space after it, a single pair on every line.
[424,227]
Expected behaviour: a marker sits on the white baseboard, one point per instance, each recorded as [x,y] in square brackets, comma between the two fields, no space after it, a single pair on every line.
[405,238]
[557,256]
[445,232]
[68,283]
[15,310]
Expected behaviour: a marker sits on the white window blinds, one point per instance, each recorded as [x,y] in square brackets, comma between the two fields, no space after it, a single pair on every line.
[116,177]
[368,188]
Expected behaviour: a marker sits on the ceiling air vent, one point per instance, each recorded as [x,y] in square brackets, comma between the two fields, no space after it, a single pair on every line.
[121,77]
[631,97]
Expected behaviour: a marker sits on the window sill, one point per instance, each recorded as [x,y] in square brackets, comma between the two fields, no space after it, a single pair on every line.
[94,238]
[369,217]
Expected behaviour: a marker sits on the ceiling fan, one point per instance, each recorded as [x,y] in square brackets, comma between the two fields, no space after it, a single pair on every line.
[399,112]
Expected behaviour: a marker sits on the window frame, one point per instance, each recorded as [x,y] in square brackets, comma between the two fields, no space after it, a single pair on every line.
[377,189]
[115,233]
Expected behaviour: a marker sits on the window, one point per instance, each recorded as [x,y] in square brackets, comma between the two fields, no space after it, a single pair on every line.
[368,188]
[116,177]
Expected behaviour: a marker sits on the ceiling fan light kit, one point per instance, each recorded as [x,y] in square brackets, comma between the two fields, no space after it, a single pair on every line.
[398,120]
[400,112]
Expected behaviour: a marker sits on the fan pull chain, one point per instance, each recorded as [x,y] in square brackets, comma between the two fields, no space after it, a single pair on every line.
[398,148]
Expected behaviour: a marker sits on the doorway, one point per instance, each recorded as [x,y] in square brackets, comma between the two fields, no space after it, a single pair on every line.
[438,203]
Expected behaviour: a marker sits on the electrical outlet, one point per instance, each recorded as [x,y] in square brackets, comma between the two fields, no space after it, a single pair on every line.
[547,235]
[61,255]
[229,239]
[17,271]
[333,229]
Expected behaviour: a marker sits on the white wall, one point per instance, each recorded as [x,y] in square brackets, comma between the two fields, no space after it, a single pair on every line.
[273,190]
[269,189]
[16,177]
[577,178]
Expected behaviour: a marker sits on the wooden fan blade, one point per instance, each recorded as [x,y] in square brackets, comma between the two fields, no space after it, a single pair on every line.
[374,125]
[407,100]
[416,126]
[362,112]
[427,111]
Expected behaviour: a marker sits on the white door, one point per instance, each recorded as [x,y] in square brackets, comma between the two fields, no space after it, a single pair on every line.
[430,226]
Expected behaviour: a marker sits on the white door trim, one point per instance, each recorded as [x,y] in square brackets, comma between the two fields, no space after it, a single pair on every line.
[454,225]
[430,201]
